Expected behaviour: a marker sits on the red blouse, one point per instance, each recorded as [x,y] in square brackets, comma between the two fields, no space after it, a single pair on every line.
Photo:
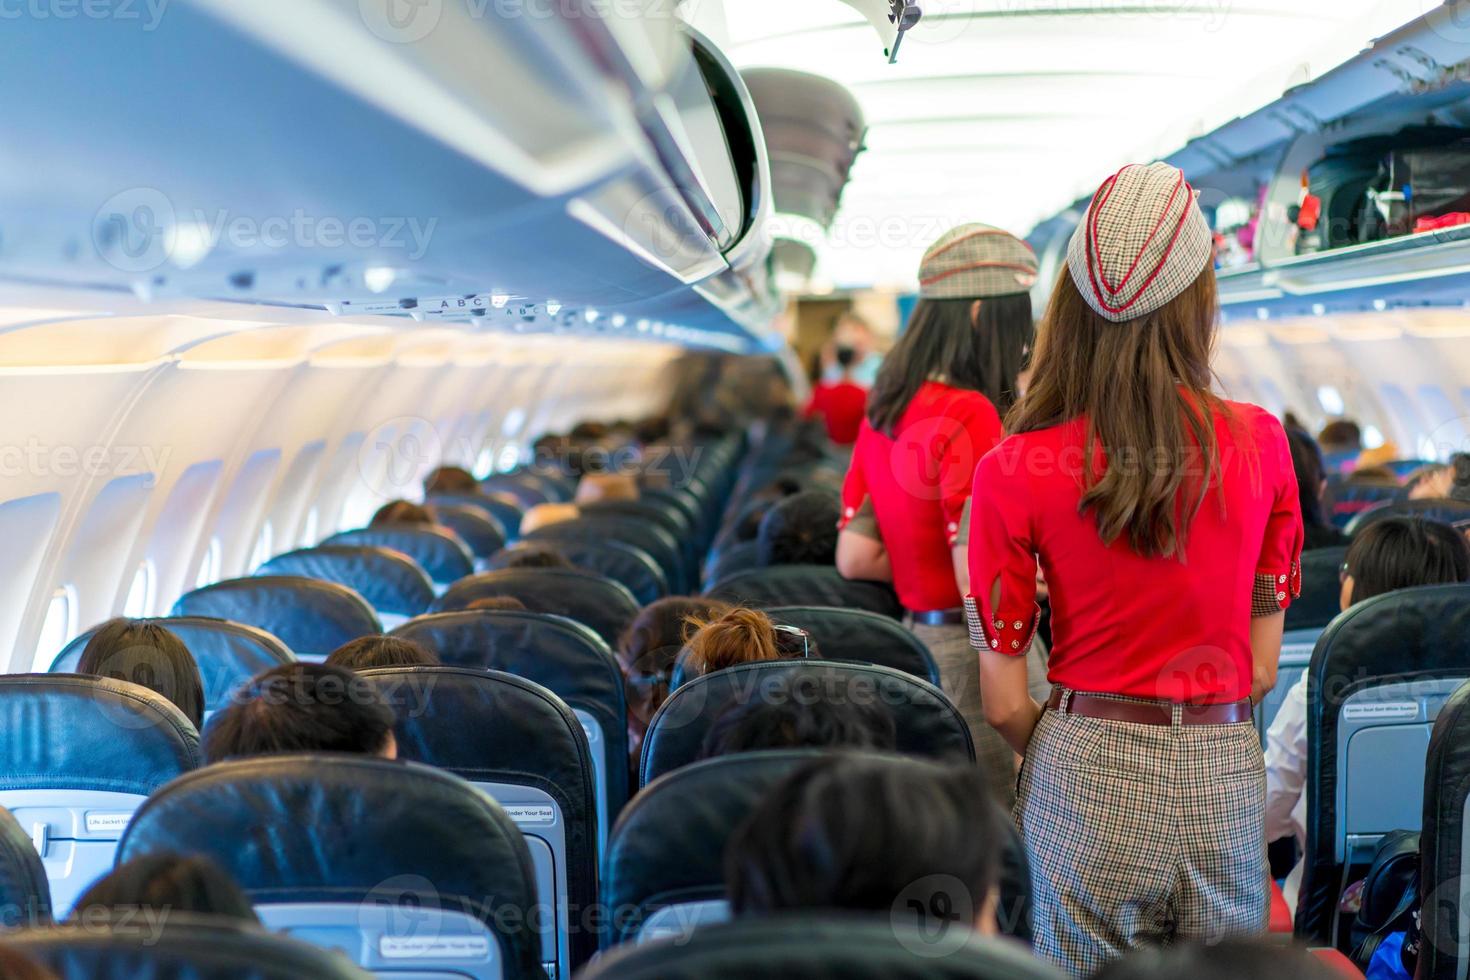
[1122,623]
[919,483]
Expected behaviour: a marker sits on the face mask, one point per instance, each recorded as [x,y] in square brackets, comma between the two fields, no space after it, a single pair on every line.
[846,356]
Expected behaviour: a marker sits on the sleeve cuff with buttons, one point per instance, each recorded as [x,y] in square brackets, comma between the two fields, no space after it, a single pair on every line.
[1009,635]
[1273,592]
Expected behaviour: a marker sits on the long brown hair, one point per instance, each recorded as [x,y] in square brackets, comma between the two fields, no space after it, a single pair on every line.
[1143,387]
[739,636]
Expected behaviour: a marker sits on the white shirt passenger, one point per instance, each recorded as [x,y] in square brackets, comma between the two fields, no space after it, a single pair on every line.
[1286,777]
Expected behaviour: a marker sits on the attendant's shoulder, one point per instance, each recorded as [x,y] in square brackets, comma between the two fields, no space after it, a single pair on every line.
[1255,420]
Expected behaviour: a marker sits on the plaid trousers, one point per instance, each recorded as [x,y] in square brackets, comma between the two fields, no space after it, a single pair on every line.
[1141,834]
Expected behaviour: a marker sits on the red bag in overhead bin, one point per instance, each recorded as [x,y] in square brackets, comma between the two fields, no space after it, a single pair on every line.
[1310,214]
[1433,222]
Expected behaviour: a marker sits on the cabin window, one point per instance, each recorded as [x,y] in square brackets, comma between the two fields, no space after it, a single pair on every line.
[139,602]
[208,565]
[57,628]
[1331,400]
[262,551]
[309,532]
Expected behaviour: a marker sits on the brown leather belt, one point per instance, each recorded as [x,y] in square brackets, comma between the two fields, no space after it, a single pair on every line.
[1146,712]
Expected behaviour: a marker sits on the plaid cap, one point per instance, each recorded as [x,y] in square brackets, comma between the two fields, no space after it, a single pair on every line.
[976,261]
[1142,242]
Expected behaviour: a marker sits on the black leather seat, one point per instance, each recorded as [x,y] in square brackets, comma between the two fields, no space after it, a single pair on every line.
[81,754]
[390,581]
[862,636]
[478,530]
[228,653]
[25,894]
[1444,883]
[593,600]
[623,563]
[559,654]
[438,552]
[528,489]
[730,559]
[1320,600]
[802,947]
[805,585]
[1345,501]
[685,502]
[659,544]
[1456,513]
[310,616]
[520,743]
[927,723]
[183,947]
[653,512]
[362,852]
[1384,668]
[499,506]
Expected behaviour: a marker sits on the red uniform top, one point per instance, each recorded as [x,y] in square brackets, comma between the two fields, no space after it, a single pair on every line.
[1121,623]
[841,406]
[919,483]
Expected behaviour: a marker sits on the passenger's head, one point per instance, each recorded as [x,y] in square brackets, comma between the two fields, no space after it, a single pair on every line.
[862,833]
[595,488]
[1233,959]
[1380,455]
[1372,476]
[972,325]
[168,883]
[739,636]
[302,707]
[1311,476]
[748,523]
[368,652]
[1341,436]
[800,530]
[450,479]
[650,645]
[496,603]
[784,717]
[1460,482]
[1401,553]
[1431,482]
[545,515]
[795,643]
[1135,360]
[402,512]
[150,655]
[535,557]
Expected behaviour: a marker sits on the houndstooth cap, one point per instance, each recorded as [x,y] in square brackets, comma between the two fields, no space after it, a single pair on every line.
[1142,242]
[974,262]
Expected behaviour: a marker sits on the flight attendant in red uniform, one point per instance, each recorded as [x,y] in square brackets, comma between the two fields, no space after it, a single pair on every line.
[932,413]
[1168,527]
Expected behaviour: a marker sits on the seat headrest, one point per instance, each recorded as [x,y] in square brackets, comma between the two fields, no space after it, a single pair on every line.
[805,585]
[799,946]
[630,567]
[182,946]
[480,532]
[561,655]
[438,551]
[1409,635]
[1455,513]
[857,634]
[390,581]
[660,544]
[504,509]
[69,731]
[228,654]
[733,558]
[333,828]
[927,723]
[25,892]
[527,489]
[1446,787]
[669,518]
[1320,600]
[310,616]
[593,600]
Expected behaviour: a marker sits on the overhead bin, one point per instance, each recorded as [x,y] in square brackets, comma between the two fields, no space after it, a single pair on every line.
[552,170]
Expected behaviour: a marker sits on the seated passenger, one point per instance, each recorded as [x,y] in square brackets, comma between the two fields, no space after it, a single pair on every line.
[150,655]
[367,652]
[740,636]
[647,651]
[795,643]
[402,512]
[1372,476]
[496,603]
[1394,553]
[1341,439]
[596,488]
[1430,482]
[302,707]
[537,558]
[853,833]
[801,530]
[1229,960]
[787,718]
[545,515]
[450,479]
[1311,483]
[167,882]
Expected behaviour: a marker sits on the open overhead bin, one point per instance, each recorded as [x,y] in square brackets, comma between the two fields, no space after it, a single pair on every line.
[542,167]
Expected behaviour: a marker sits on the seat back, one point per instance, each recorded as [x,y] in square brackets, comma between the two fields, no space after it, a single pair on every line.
[392,583]
[193,946]
[561,655]
[526,488]
[1345,501]
[505,510]
[805,585]
[25,894]
[1377,679]
[826,947]
[409,869]
[861,636]
[1320,601]
[630,567]
[1444,953]
[437,550]
[310,616]
[1455,513]
[926,723]
[594,600]
[729,559]
[480,532]
[657,541]
[228,653]
[80,754]
[521,744]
